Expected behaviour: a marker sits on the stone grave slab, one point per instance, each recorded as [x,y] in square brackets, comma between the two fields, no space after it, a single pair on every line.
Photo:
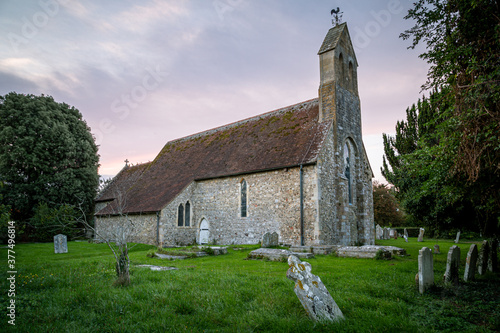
[368,251]
[277,254]
[311,292]
[470,263]
[60,244]
[158,268]
[452,265]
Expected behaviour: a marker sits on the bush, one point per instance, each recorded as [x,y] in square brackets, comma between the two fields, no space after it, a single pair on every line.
[48,222]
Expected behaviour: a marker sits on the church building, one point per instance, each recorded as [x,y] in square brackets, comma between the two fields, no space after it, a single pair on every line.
[301,171]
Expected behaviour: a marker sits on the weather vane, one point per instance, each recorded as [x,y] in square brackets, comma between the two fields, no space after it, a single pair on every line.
[338,16]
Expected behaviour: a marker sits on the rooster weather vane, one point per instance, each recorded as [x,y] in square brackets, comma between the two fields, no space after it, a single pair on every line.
[338,16]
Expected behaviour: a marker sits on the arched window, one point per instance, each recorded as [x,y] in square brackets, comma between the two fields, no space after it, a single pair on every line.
[348,170]
[187,215]
[180,216]
[341,69]
[243,195]
[351,76]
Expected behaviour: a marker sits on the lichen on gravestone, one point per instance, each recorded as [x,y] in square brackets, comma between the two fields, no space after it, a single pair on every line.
[311,292]
[425,275]
[452,265]
[470,263]
[60,243]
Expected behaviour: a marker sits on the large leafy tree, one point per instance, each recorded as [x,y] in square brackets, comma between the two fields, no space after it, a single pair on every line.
[451,177]
[386,209]
[47,156]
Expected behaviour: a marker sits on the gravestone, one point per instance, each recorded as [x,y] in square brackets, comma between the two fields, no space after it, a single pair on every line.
[386,233]
[470,263]
[395,234]
[406,238]
[425,269]
[421,235]
[60,244]
[457,238]
[311,292]
[482,262]
[391,233]
[452,265]
[492,257]
[379,232]
[406,234]
[436,249]
[270,239]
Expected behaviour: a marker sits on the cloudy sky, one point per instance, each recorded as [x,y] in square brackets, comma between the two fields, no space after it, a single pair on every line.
[143,73]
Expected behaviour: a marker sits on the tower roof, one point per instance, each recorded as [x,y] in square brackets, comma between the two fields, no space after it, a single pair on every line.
[332,38]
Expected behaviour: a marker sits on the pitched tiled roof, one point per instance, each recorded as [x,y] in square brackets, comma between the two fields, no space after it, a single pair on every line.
[332,38]
[282,138]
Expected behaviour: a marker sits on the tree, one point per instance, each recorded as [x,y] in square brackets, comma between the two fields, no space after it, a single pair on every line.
[385,206]
[47,156]
[450,176]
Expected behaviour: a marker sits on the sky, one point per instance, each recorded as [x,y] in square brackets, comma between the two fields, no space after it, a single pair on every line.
[143,73]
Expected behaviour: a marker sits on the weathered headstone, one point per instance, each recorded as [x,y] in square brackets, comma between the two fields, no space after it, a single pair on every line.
[395,234]
[436,249]
[391,233]
[457,238]
[406,238]
[379,232]
[482,262]
[60,244]
[493,257]
[470,263]
[425,269]
[406,233]
[452,265]
[311,292]
[386,233]
[421,235]
[270,239]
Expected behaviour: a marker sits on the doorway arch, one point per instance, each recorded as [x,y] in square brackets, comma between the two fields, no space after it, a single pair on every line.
[204,231]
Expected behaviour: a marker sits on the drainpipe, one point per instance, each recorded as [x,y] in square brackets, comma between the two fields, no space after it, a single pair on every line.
[157,228]
[301,173]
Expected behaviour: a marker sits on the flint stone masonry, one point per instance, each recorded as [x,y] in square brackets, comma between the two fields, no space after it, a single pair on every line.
[425,269]
[452,265]
[312,293]
[277,254]
[482,263]
[470,263]
[493,256]
[60,244]
[270,239]
[421,235]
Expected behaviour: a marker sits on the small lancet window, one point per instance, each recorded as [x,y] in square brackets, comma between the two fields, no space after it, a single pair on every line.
[187,215]
[347,172]
[243,204]
[180,216]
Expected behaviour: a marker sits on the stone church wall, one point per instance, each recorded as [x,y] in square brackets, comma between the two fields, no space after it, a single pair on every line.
[273,205]
[136,228]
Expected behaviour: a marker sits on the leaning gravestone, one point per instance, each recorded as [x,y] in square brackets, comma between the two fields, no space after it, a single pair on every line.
[470,263]
[452,265]
[60,244]
[482,263]
[421,235]
[458,237]
[492,257]
[311,292]
[425,269]
[436,249]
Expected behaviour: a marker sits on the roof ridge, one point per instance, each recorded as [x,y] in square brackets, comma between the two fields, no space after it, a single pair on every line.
[239,122]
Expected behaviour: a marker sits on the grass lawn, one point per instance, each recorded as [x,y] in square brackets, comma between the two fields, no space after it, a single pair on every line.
[74,292]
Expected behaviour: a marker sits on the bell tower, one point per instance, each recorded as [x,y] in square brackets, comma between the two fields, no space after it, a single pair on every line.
[338,71]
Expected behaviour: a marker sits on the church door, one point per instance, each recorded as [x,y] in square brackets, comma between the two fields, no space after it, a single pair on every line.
[204,232]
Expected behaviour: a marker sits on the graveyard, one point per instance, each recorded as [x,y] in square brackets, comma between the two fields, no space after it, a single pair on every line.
[74,291]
